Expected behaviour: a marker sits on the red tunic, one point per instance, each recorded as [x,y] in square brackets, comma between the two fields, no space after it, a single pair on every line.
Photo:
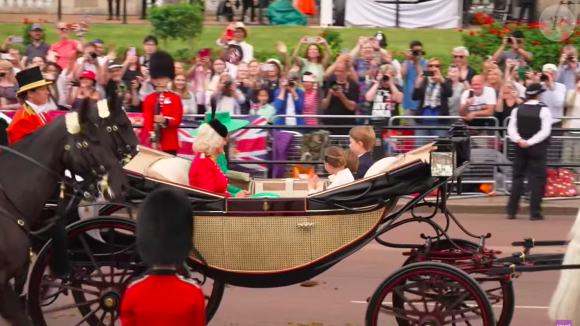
[171,108]
[163,298]
[204,173]
[24,121]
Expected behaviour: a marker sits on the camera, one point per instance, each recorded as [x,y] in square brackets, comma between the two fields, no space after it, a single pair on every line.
[291,83]
[2,74]
[385,78]
[544,78]
[428,73]
[227,83]
[75,83]
[416,52]
[93,55]
[336,87]
[509,40]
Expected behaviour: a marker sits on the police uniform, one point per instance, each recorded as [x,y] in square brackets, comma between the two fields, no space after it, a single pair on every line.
[161,66]
[30,117]
[164,239]
[531,122]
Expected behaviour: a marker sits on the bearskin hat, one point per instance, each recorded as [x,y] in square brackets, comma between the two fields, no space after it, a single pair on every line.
[161,65]
[165,228]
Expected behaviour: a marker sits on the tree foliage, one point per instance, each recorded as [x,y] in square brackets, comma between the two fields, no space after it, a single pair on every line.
[176,21]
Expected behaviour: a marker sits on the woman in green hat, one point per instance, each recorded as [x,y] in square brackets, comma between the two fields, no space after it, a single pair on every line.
[231,125]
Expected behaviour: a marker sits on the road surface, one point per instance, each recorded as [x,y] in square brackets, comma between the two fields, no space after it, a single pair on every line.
[339,298]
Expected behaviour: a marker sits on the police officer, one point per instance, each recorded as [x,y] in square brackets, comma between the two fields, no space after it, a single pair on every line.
[529,128]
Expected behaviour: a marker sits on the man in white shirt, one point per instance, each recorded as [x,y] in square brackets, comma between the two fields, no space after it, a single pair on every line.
[530,127]
[555,93]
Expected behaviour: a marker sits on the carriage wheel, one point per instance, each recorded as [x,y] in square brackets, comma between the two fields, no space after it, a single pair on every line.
[105,260]
[499,295]
[434,294]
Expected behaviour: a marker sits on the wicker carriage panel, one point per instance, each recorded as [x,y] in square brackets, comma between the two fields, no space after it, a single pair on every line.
[331,232]
[208,238]
[253,244]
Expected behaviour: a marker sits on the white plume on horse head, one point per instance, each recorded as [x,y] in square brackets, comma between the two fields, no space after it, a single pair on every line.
[566,299]
[103,109]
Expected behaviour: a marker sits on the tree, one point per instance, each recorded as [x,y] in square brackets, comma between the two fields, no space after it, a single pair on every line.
[176,21]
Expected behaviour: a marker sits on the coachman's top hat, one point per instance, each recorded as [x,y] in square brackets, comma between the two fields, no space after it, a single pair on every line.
[30,79]
[165,228]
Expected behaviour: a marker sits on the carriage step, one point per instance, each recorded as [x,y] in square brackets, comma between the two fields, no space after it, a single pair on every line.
[531,243]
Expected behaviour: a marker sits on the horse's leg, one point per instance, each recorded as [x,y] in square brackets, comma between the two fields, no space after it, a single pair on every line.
[20,283]
[10,308]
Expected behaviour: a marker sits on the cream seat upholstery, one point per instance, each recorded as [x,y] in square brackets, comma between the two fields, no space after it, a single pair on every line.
[172,169]
[390,163]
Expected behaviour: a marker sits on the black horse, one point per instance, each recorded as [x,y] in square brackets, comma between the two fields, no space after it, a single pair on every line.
[30,170]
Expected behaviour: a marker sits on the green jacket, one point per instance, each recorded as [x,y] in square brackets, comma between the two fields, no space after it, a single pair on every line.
[223,164]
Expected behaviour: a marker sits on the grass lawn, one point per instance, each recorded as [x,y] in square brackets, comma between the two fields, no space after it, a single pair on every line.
[436,42]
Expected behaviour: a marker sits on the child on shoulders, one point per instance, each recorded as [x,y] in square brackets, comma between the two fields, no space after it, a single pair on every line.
[362,141]
[334,163]
[263,108]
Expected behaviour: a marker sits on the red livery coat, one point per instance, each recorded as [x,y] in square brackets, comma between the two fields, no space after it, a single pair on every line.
[163,298]
[24,121]
[204,173]
[171,108]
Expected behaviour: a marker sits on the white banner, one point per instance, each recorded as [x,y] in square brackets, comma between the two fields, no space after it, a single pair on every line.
[430,14]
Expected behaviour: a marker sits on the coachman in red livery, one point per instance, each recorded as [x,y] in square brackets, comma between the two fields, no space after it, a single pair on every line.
[164,241]
[33,95]
[162,109]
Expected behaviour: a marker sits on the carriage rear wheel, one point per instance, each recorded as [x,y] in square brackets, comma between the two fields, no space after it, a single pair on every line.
[499,289]
[105,260]
[434,294]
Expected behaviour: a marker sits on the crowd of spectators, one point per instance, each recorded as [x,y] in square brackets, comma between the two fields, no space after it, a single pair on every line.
[365,81]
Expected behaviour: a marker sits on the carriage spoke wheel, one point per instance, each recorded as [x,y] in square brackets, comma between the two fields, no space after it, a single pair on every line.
[105,261]
[429,294]
[499,289]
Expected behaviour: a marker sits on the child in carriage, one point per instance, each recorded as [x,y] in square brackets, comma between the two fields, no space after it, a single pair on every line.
[164,241]
[335,163]
[362,141]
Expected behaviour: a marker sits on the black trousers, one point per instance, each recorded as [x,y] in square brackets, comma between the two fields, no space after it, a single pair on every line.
[529,163]
[172,152]
[117,7]
[530,8]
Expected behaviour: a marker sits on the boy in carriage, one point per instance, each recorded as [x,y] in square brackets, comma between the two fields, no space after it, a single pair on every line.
[362,141]
[164,241]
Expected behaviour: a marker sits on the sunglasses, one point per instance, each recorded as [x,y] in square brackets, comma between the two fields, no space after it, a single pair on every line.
[434,66]
[459,56]
[64,29]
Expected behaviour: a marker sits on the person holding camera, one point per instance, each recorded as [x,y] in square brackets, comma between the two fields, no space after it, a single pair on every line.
[85,87]
[554,93]
[432,91]
[411,70]
[516,51]
[384,95]
[90,61]
[227,96]
[479,101]
[289,101]
[568,67]
[340,98]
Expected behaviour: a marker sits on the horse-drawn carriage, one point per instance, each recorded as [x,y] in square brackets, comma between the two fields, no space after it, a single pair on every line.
[265,242]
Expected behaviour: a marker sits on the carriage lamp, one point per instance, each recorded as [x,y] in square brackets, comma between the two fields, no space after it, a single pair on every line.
[443,159]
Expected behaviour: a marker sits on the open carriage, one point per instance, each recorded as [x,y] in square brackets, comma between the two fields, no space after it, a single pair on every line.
[265,242]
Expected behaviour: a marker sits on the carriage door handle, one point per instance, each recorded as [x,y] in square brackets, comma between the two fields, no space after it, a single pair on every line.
[305,225]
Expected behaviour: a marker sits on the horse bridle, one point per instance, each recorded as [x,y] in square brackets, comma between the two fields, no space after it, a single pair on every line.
[76,186]
[123,148]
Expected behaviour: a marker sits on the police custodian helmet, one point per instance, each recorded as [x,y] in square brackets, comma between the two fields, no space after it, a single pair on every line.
[165,228]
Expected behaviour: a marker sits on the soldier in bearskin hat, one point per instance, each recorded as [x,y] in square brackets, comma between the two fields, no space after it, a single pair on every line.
[162,109]
[164,241]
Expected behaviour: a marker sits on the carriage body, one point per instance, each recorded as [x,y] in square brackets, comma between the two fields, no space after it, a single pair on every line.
[257,242]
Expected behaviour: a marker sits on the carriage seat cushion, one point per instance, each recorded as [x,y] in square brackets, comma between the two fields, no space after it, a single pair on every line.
[391,163]
[172,169]
[382,166]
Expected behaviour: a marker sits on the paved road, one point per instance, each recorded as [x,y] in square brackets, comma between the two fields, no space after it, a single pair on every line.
[339,298]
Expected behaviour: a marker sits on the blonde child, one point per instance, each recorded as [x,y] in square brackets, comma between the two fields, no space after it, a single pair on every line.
[362,141]
[334,163]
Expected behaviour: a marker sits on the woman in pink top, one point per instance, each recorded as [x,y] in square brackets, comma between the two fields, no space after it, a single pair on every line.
[65,46]
[310,98]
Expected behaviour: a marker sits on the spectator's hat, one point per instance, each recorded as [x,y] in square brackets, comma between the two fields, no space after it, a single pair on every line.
[88,74]
[35,27]
[161,65]
[535,89]
[549,67]
[165,228]
[240,25]
[30,78]
[114,65]
[225,119]
[276,62]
